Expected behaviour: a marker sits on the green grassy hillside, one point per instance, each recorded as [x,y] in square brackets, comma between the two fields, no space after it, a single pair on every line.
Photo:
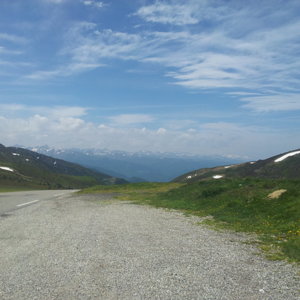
[288,168]
[21,168]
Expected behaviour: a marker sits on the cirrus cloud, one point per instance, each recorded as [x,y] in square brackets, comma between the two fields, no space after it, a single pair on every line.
[93,3]
[279,102]
[238,51]
[168,14]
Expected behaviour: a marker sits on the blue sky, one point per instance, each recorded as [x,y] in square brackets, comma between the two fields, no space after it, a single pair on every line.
[194,76]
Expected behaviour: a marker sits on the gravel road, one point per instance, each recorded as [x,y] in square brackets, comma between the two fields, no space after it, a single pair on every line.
[93,247]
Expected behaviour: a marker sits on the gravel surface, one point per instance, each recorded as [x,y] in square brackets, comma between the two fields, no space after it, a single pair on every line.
[92,247]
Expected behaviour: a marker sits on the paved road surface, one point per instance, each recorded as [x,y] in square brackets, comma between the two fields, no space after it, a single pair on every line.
[15,200]
[74,247]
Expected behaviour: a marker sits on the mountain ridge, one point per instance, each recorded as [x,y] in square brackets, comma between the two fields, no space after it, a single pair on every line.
[19,166]
[136,166]
[281,166]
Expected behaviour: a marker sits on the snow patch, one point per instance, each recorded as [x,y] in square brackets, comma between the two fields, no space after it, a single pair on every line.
[252,162]
[16,154]
[283,157]
[189,177]
[217,176]
[7,169]
[27,159]
[55,163]
[226,167]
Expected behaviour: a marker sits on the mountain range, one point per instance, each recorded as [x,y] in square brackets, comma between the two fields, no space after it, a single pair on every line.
[138,166]
[22,167]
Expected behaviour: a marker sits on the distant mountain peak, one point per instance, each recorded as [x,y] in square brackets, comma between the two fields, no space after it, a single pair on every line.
[137,166]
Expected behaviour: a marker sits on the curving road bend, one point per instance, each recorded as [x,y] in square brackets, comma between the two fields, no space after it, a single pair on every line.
[66,246]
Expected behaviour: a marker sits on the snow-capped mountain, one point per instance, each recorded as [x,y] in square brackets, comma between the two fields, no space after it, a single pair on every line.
[138,166]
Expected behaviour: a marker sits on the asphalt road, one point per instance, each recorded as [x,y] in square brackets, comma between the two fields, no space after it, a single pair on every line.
[66,247]
[17,200]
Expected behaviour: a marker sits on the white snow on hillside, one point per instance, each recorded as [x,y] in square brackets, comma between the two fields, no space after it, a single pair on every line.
[7,169]
[16,154]
[217,176]
[283,157]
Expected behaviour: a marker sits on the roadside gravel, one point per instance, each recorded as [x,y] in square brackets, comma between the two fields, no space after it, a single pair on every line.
[93,247]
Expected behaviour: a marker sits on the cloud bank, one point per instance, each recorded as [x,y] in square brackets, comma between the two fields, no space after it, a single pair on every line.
[65,127]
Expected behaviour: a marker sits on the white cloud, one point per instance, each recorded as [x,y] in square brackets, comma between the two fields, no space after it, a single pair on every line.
[243,94]
[68,129]
[94,3]
[91,45]
[88,48]
[44,75]
[127,119]
[68,70]
[280,102]
[4,108]
[12,38]
[203,60]
[242,48]
[161,131]
[168,14]
[69,124]
[55,1]
[4,50]
[54,112]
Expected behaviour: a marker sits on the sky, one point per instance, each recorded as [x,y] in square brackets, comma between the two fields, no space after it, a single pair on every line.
[205,77]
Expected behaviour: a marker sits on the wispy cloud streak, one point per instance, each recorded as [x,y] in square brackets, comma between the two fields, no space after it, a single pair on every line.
[202,45]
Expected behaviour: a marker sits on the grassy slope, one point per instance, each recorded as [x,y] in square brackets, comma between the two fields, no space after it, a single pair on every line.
[133,191]
[267,168]
[238,204]
[34,170]
[45,180]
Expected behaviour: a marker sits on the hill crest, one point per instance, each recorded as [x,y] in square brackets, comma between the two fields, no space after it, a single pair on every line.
[24,167]
[281,166]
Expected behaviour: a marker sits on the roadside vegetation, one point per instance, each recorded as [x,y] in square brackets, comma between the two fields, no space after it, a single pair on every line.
[142,191]
[43,180]
[6,189]
[246,205]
